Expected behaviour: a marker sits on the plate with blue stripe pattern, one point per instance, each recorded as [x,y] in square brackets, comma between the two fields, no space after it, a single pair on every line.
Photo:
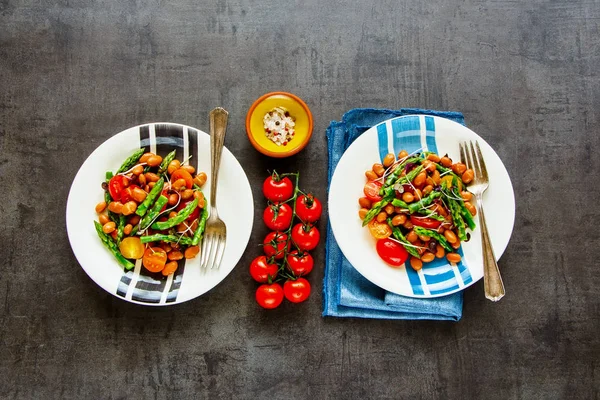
[415,133]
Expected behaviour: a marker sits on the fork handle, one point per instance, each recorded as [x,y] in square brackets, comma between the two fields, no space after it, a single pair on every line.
[492,281]
[218,127]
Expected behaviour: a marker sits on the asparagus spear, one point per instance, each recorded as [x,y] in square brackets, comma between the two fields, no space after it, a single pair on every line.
[201,226]
[130,161]
[404,179]
[400,237]
[120,227]
[457,218]
[166,238]
[166,161]
[112,246]
[375,209]
[142,208]
[394,175]
[153,213]
[437,236]
[179,218]
[424,202]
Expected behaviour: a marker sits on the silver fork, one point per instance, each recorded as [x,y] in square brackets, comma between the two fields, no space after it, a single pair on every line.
[215,235]
[492,281]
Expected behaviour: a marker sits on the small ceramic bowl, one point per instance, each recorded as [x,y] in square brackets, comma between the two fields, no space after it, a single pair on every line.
[297,109]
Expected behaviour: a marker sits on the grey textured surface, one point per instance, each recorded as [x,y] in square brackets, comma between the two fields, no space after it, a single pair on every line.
[526,76]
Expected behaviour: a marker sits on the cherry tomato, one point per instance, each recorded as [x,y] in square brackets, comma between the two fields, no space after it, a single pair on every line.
[391,252]
[425,222]
[126,193]
[278,217]
[306,237]
[182,205]
[154,259]
[296,291]
[379,230]
[278,189]
[278,239]
[261,270]
[300,263]
[183,174]
[132,247]
[269,296]
[371,190]
[308,208]
[116,186]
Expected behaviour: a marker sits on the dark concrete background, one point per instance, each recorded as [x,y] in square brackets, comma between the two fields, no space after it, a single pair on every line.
[526,76]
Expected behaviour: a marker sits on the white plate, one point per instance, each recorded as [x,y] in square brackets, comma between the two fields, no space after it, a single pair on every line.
[234,202]
[411,133]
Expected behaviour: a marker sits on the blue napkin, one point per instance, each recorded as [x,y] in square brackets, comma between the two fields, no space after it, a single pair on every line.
[346,293]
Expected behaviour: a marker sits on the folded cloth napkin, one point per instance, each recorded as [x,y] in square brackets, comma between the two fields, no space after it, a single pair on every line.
[346,293]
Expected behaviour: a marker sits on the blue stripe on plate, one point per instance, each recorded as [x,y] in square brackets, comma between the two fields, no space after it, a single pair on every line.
[430,134]
[448,275]
[444,290]
[415,282]
[382,137]
[407,134]
[464,268]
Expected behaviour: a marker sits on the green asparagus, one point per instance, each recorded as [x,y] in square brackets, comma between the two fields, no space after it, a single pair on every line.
[178,219]
[112,247]
[120,227]
[375,209]
[441,239]
[130,161]
[153,213]
[166,161]
[424,202]
[143,208]
[166,238]
[400,237]
[457,218]
[201,226]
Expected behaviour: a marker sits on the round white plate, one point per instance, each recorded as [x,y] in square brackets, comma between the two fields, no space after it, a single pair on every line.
[234,202]
[412,133]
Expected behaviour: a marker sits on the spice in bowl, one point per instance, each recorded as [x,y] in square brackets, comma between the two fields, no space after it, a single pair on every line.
[279,126]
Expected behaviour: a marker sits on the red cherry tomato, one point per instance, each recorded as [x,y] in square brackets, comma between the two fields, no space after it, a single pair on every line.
[261,270]
[278,217]
[274,245]
[296,291]
[115,186]
[269,296]
[425,222]
[278,189]
[182,205]
[371,190]
[308,208]
[300,263]
[391,252]
[305,238]
[182,174]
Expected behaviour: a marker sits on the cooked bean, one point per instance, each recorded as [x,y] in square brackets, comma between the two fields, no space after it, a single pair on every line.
[126,181]
[434,158]
[411,236]
[189,168]
[172,214]
[430,167]
[427,189]
[378,169]
[144,158]
[427,257]
[116,207]
[439,251]
[459,168]
[134,220]
[420,179]
[154,161]
[103,219]
[362,213]
[382,216]
[455,245]
[138,169]
[389,209]
[100,207]
[147,189]
[371,176]
[364,202]
[408,197]
[192,252]
[424,238]
[175,255]
[469,206]
[388,159]
[142,180]
[441,210]
[429,181]
[446,161]
[173,199]
[151,185]
[200,179]
[466,195]
[398,219]
[418,194]
[403,154]
[200,196]
[169,268]
[127,229]
[179,184]
[398,210]
[415,263]
[151,177]
[450,236]
[435,177]
[138,194]
[173,165]
[408,224]
[109,227]
[468,176]
[129,208]
[187,194]
[166,247]
[453,257]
